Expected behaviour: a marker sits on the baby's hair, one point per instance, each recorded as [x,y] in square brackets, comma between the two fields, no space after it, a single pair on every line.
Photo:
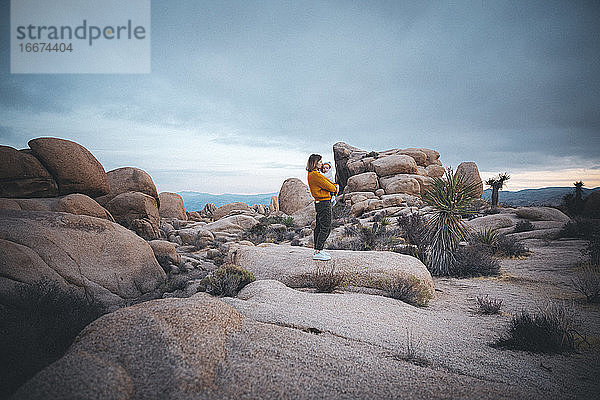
[311,165]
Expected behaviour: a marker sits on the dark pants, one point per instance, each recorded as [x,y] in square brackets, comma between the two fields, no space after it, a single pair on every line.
[323,223]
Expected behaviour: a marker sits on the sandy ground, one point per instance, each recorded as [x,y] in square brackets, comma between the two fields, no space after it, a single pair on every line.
[453,357]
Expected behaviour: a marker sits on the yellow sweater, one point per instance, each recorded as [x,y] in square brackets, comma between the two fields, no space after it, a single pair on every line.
[321,188]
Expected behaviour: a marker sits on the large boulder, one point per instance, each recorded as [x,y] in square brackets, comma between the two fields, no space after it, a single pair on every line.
[289,264]
[435,171]
[165,253]
[93,256]
[73,167]
[471,173]
[171,206]
[365,182]
[273,204]
[542,214]
[305,216]
[22,175]
[75,203]
[395,164]
[432,156]
[402,183]
[138,212]
[294,195]
[341,154]
[128,179]
[236,207]
[233,224]
[494,221]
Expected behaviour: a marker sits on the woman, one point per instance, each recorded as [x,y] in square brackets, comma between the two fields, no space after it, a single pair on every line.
[321,189]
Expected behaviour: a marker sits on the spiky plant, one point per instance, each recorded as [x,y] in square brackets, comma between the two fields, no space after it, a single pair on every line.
[450,198]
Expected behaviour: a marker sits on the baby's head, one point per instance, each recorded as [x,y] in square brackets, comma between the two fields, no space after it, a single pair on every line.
[326,166]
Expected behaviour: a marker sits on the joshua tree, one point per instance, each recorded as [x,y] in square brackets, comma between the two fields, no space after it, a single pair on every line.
[496,184]
[573,202]
[450,198]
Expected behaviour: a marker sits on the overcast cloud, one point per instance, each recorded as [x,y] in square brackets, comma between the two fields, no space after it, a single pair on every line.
[242,92]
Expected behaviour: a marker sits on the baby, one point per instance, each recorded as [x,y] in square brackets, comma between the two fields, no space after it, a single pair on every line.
[328,173]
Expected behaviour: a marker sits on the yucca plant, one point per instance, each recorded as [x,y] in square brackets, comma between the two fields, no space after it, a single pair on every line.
[487,236]
[450,198]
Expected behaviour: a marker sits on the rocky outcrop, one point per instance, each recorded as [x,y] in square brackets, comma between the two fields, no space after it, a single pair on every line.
[274,204]
[231,208]
[542,214]
[171,206]
[76,203]
[367,268]
[128,179]
[90,255]
[208,210]
[396,171]
[341,155]
[72,166]
[22,175]
[470,172]
[138,212]
[294,195]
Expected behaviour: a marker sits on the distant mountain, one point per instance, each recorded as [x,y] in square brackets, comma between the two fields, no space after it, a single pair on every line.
[549,196]
[195,201]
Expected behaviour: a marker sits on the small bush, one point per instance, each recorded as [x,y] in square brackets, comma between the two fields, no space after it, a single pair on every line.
[226,281]
[509,247]
[581,228]
[523,226]
[474,260]
[325,278]
[372,154]
[409,290]
[488,306]
[587,283]
[295,242]
[38,328]
[547,331]
[592,250]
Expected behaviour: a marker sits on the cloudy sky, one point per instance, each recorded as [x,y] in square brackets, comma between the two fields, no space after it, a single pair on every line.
[241,93]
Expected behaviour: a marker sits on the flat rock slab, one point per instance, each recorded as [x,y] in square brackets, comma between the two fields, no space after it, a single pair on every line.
[289,264]
[202,348]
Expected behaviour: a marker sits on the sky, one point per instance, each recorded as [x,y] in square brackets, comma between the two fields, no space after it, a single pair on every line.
[241,93]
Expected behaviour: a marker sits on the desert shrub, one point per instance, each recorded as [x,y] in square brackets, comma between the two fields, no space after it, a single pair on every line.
[582,228]
[351,230]
[325,278]
[264,231]
[523,226]
[486,236]
[509,247]
[409,290]
[38,328]
[226,281]
[474,260]
[549,330]
[488,306]
[295,242]
[592,250]
[372,154]
[340,211]
[587,282]
[450,198]
[413,231]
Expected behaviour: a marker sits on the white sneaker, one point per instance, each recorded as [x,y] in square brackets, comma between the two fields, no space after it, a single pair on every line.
[321,256]
[326,253]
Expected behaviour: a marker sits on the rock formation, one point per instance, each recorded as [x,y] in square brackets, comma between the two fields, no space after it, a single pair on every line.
[294,195]
[171,206]
[87,254]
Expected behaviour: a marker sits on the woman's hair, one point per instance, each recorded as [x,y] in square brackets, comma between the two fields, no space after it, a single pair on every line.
[311,165]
